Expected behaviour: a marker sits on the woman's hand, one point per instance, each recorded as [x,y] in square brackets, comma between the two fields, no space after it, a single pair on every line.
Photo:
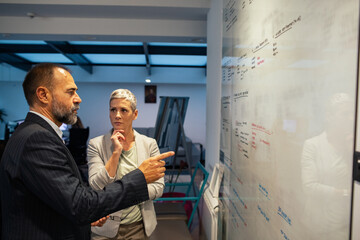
[118,140]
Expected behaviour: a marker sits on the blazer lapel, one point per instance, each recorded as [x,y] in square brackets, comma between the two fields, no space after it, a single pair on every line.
[140,148]
[108,145]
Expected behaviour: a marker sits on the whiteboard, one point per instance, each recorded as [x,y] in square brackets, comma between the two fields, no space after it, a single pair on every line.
[288,105]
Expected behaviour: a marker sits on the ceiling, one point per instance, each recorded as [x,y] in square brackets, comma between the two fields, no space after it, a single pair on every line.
[92,33]
[88,10]
[86,54]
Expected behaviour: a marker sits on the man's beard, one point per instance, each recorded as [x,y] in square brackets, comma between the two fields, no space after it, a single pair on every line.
[64,115]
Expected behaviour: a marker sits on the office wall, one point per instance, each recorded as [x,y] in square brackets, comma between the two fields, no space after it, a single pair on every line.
[94,109]
[95,90]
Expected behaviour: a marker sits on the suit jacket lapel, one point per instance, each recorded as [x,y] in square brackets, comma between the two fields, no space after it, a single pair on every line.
[31,117]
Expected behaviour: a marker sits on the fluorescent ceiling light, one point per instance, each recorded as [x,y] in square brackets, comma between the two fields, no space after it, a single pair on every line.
[45,57]
[131,59]
[179,60]
[177,44]
[22,42]
[106,43]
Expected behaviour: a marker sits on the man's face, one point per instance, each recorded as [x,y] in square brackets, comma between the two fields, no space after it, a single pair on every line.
[66,101]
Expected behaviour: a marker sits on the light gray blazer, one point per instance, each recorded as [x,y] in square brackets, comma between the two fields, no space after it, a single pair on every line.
[99,152]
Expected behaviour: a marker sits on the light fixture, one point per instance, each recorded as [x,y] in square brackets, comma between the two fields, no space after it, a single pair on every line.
[148,80]
[31,15]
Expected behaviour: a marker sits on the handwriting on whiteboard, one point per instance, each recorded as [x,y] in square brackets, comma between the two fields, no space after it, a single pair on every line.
[263,190]
[238,214]
[258,127]
[284,216]
[264,214]
[287,27]
[284,235]
[240,199]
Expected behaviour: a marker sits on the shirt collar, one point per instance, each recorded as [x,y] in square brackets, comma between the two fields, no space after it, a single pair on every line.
[51,123]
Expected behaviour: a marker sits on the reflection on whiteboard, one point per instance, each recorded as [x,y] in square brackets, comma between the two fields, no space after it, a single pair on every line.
[288,107]
[326,170]
[289,125]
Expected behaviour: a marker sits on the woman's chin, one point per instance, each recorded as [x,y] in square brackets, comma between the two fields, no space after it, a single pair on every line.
[117,128]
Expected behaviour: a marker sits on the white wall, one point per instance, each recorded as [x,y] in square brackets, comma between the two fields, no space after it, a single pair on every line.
[95,90]
[94,110]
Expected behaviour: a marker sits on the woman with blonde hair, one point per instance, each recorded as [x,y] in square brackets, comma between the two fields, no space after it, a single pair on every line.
[113,155]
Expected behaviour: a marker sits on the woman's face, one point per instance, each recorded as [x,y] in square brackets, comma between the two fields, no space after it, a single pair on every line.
[121,114]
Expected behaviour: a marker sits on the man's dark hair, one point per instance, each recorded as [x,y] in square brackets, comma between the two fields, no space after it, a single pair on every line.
[41,74]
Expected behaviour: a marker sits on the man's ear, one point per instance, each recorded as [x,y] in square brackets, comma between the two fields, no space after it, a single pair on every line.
[43,94]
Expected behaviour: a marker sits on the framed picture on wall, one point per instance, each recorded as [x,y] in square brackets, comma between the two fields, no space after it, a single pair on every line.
[150,93]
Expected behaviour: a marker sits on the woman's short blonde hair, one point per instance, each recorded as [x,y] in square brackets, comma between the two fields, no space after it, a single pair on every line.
[124,93]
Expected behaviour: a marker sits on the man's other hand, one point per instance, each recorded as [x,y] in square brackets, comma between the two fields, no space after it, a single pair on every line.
[99,222]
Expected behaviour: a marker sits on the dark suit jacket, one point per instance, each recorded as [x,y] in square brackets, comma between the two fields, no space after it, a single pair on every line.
[42,194]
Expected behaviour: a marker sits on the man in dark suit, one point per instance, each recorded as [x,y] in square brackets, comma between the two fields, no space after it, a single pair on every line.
[42,194]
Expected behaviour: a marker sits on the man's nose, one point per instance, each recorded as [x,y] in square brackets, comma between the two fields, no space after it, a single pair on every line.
[77,98]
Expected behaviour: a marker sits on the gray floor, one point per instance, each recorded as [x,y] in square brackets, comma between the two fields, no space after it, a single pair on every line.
[196,230]
[197,233]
